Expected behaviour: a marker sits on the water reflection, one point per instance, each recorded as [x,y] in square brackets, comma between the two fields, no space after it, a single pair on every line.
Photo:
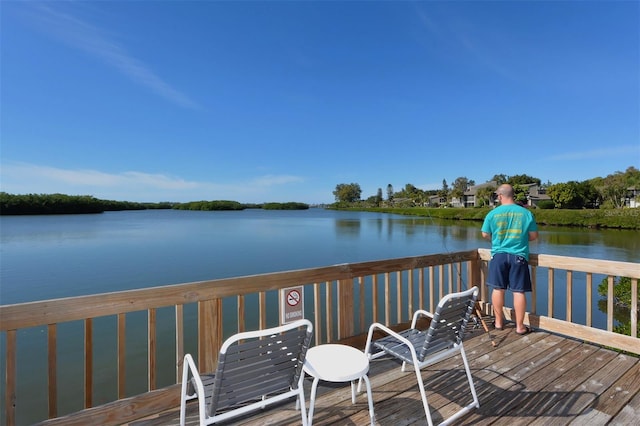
[609,244]
[347,228]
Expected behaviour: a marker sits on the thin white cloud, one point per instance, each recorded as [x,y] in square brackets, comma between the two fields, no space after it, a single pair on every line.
[82,35]
[30,173]
[26,178]
[614,151]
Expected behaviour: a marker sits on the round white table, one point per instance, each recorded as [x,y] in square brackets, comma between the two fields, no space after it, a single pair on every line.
[337,363]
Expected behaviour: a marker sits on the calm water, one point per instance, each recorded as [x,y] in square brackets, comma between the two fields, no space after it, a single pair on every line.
[44,257]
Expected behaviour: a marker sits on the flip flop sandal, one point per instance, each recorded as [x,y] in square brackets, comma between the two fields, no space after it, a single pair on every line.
[526,331]
[497,328]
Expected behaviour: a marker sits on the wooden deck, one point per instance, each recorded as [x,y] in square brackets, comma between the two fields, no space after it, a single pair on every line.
[537,379]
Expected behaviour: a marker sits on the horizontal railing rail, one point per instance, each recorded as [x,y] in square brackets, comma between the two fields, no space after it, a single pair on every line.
[342,300]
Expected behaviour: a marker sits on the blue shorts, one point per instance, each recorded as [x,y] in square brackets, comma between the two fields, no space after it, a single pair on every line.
[508,271]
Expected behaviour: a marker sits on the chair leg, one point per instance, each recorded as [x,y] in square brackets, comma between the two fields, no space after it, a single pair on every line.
[423,394]
[370,399]
[183,408]
[312,400]
[476,403]
[300,403]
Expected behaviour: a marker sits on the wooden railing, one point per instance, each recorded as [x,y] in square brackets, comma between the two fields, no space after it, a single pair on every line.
[342,300]
[562,275]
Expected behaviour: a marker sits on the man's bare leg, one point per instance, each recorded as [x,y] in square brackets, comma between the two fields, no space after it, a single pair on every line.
[497,300]
[520,306]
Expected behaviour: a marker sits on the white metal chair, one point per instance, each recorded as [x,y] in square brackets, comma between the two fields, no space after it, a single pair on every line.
[422,348]
[255,369]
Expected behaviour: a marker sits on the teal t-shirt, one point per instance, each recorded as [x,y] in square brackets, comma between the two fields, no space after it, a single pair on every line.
[509,226]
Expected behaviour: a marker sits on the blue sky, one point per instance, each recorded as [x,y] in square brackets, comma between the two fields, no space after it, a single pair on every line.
[283,100]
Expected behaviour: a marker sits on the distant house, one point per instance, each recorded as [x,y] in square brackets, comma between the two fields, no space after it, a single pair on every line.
[535,194]
[470,196]
[457,202]
[433,201]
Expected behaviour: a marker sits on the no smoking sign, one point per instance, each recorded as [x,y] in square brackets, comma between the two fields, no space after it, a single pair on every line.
[291,306]
[293,298]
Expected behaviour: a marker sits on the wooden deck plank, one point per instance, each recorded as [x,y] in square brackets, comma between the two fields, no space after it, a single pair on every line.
[621,392]
[498,377]
[592,390]
[563,392]
[537,379]
[541,390]
[629,414]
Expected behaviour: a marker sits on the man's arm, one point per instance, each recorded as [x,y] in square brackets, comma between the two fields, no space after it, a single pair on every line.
[533,235]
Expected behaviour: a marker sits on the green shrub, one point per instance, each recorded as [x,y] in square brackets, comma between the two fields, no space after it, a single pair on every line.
[546,205]
[285,206]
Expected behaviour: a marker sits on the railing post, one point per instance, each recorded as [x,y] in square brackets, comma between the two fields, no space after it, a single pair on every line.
[345,308]
[122,355]
[209,333]
[88,362]
[151,349]
[634,307]
[52,346]
[474,277]
[179,341]
[10,378]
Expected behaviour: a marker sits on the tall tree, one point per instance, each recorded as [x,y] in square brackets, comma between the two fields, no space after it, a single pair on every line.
[412,193]
[444,192]
[520,194]
[613,188]
[632,176]
[568,195]
[460,185]
[484,195]
[347,193]
[500,179]
[523,180]
[389,192]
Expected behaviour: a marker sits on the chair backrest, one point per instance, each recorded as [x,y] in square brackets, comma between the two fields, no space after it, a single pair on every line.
[254,364]
[449,322]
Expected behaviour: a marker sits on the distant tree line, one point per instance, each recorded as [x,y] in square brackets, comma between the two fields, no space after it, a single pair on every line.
[30,204]
[608,192]
[210,205]
[41,204]
[234,205]
[285,206]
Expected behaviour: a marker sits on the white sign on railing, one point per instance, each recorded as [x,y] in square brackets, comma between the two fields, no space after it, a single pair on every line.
[291,304]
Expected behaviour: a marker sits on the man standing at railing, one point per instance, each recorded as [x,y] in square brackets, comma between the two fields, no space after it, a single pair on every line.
[510,227]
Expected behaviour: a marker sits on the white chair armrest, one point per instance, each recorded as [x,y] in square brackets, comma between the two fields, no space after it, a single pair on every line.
[377,325]
[417,314]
